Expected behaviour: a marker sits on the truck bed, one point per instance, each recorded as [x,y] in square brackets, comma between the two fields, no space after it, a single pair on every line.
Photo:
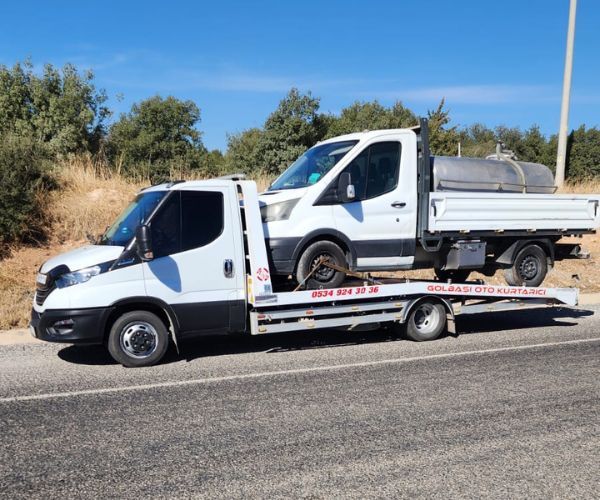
[466,212]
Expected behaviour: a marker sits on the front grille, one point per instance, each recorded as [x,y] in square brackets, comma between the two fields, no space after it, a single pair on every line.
[41,293]
[42,290]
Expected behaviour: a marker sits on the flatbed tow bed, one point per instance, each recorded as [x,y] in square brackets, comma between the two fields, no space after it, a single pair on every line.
[386,300]
[359,304]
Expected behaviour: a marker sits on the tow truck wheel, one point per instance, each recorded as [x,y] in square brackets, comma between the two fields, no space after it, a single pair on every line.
[138,338]
[455,275]
[426,321]
[529,267]
[320,276]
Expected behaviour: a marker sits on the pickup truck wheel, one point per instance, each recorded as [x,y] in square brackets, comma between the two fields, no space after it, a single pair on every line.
[455,275]
[529,267]
[138,338]
[323,276]
[426,321]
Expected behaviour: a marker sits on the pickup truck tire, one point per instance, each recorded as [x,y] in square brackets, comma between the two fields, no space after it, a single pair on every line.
[529,267]
[138,338]
[426,321]
[455,275]
[324,277]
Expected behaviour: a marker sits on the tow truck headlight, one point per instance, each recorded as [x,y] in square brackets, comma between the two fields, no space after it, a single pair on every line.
[278,211]
[77,277]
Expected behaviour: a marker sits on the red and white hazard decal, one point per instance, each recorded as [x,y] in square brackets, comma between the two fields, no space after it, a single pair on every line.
[262,274]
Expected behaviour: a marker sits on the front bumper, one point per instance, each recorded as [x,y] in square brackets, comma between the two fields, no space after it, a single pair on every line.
[280,252]
[84,326]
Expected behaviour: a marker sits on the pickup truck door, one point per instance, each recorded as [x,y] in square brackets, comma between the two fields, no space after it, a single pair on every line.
[381,220]
[197,250]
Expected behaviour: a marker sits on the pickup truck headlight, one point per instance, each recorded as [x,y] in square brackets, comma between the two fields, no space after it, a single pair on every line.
[278,211]
[77,277]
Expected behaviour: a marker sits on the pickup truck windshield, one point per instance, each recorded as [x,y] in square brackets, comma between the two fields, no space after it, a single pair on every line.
[137,213]
[312,165]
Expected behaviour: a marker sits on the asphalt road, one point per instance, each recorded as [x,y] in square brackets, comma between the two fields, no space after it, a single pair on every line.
[510,408]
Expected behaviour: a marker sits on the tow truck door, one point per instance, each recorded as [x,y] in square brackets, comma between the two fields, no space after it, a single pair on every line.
[196,268]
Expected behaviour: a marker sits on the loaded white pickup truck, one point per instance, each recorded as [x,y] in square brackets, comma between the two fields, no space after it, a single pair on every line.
[378,201]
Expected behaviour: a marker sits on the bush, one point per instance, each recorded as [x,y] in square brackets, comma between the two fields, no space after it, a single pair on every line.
[24,178]
[60,107]
[157,139]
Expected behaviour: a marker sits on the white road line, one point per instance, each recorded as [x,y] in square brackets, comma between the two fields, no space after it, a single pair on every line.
[247,376]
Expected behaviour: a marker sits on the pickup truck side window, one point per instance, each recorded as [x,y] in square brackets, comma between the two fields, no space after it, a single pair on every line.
[201,218]
[375,171]
[384,163]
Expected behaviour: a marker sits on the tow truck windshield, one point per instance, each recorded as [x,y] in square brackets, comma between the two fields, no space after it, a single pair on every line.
[137,213]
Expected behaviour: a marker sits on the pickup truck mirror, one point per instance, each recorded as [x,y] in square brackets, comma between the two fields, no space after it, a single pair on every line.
[143,243]
[345,189]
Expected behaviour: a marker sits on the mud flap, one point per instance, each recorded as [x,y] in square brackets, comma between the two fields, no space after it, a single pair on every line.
[451,324]
[173,335]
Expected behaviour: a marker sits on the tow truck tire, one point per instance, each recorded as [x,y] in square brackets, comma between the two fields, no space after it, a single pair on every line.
[426,321]
[455,275]
[324,277]
[138,338]
[529,267]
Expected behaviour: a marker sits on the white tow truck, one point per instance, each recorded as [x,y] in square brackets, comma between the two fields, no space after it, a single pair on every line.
[190,258]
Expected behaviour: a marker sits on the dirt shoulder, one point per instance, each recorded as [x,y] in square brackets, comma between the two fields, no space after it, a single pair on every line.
[17,336]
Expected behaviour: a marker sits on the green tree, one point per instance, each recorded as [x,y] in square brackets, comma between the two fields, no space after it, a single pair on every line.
[477,141]
[24,164]
[213,162]
[361,116]
[583,159]
[158,139]
[443,140]
[533,146]
[290,130]
[549,156]
[61,108]
[243,152]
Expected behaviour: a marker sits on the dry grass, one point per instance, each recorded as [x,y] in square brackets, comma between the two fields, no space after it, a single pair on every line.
[589,187]
[90,197]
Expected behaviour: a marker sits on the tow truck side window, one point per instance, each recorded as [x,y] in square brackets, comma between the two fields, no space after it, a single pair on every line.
[166,228]
[201,218]
[187,220]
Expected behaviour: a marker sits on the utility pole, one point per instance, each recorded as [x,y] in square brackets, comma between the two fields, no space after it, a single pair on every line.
[561,156]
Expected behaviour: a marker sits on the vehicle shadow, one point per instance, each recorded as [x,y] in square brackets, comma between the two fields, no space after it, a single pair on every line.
[96,355]
[189,350]
[490,322]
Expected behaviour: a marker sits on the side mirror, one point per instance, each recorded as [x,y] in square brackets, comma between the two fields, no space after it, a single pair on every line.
[143,243]
[345,189]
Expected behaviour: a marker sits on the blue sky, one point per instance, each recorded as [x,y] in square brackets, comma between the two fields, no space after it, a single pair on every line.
[494,62]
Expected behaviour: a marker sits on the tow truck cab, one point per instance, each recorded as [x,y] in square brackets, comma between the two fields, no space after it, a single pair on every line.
[194,278]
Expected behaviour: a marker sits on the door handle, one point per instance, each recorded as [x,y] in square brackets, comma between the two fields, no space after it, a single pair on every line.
[228,268]
[398,204]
